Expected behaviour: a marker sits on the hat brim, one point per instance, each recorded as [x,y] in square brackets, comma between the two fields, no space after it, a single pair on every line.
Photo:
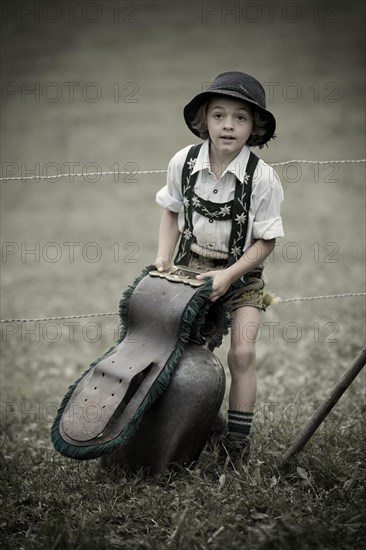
[190,111]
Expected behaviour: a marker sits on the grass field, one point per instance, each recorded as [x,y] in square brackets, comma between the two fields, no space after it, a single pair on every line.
[72,247]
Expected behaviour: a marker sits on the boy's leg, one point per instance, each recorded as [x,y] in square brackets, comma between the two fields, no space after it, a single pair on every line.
[242,360]
[243,389]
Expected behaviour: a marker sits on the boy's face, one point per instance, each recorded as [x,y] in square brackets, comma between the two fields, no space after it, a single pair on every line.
[229,124]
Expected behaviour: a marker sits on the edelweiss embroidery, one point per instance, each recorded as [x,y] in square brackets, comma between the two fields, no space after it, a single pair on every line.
[241,218]
[235,251]
[212,210]
[225,210]
[235,210]
[191,164]
[187,188]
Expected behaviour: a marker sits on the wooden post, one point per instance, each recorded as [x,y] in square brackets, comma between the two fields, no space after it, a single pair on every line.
[327,405]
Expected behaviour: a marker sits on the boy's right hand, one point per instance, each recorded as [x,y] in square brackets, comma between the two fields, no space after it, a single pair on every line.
[162,264]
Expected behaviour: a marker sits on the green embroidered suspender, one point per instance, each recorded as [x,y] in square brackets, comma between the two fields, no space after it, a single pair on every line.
[237,210]
[188,182]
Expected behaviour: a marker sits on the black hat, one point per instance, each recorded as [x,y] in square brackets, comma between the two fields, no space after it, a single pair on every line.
[238,85]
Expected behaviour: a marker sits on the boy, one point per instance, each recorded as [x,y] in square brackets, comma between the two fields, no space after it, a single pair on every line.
[224,205]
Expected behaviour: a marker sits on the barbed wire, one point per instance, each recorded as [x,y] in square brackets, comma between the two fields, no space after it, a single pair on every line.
[143,172]
[111,313]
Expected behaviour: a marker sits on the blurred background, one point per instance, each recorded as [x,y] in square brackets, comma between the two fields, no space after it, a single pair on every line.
[100,86]
[93,86]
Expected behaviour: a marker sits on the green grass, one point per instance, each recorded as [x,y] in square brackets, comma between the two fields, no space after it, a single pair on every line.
[315,502]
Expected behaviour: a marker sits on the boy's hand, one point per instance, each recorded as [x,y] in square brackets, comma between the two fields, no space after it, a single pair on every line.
[162,264]
[220,282]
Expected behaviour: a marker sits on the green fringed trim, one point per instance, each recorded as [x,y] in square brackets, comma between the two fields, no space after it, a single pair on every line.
[226,325]
[124,304]
[191,314]
[59,443]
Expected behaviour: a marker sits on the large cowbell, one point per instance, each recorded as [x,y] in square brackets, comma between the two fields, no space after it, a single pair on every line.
[176,427]
[155,396]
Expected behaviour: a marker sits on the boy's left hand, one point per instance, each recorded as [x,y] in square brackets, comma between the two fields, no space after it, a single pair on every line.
[220,282]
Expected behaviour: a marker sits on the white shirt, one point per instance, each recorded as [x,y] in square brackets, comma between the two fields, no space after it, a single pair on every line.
[264,221]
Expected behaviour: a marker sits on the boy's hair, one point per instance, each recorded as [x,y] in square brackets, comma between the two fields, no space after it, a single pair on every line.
[199,123]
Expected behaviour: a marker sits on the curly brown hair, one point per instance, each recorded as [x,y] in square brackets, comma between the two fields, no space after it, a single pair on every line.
[199,123]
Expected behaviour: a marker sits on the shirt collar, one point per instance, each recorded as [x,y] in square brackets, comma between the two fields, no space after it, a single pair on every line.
[237,165]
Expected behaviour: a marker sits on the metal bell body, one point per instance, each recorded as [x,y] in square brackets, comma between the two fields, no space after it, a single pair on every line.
[175,428]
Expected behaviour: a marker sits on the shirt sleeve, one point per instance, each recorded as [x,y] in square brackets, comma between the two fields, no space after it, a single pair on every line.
[170,196]
[267,200]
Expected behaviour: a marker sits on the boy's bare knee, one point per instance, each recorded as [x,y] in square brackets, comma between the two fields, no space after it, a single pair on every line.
[241,357]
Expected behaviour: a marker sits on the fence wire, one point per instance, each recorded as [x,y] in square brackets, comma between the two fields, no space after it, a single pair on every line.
[111,313]
[143,172]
